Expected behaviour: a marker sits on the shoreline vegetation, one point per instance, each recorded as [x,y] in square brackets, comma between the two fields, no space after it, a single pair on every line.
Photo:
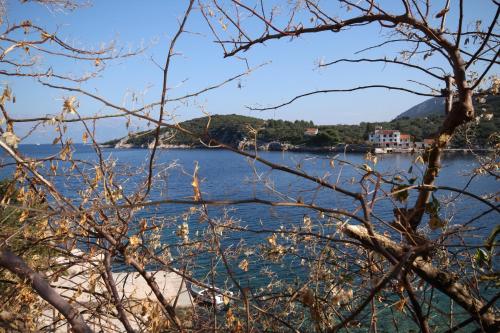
[340,148]
[250,133]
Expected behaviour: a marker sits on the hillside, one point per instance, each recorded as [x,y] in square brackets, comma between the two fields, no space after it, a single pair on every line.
[435,106]
[234,129]
[425,118]
[228,129]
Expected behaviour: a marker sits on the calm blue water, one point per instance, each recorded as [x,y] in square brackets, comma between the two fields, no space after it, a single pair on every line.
[225,175]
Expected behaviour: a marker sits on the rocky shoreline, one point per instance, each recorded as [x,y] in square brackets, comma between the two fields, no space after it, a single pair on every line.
[270,146]
[340,148]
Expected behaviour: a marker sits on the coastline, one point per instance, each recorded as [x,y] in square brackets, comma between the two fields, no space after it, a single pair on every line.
[341,148]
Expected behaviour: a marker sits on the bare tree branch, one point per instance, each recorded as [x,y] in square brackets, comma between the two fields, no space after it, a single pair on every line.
[17,266]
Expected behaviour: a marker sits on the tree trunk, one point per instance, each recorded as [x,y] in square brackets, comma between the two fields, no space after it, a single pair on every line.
[17,266]
[443,281]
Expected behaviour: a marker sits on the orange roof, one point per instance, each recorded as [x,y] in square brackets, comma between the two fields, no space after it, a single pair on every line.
[311,131]
[405,136]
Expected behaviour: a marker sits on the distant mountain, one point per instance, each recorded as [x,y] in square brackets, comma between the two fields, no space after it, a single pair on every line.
[435,106]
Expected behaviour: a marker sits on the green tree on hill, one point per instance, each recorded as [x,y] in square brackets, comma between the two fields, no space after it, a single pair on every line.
[325,138]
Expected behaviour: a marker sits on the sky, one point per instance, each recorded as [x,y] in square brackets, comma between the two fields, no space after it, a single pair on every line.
[290,68]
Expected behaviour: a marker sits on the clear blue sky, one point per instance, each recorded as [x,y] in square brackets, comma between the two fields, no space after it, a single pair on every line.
[291,69]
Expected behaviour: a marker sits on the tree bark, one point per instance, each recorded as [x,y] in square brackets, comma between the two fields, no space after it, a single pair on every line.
[443,281]
[17,266]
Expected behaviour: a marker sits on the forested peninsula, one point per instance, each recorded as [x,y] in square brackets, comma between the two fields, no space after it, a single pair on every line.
[421,122]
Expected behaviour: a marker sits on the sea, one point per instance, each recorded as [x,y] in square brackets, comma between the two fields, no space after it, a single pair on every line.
[225,175]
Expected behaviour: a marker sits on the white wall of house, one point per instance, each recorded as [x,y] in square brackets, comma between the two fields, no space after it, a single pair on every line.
[405,141]
[385,138]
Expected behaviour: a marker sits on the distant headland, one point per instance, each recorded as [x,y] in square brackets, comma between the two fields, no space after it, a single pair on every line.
[419,124]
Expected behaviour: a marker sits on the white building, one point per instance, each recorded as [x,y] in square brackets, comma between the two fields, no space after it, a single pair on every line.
[405,141]
[385,138]
[390,138]
[427,143]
